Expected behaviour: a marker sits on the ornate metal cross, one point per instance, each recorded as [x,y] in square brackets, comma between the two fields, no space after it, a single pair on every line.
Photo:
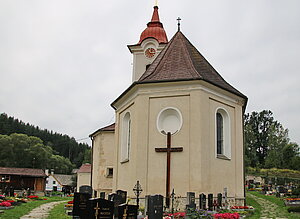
[168,149]
[178,24]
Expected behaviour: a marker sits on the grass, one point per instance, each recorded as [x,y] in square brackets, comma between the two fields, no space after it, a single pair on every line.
[250,201]
[58,212]
[25,208]
[279,202]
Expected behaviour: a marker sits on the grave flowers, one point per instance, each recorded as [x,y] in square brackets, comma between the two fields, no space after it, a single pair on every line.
[227,215]
[5,204]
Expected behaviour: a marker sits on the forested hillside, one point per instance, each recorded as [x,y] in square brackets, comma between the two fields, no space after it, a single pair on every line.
[62,145]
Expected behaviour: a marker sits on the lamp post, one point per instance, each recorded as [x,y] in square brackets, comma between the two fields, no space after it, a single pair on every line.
[137,191]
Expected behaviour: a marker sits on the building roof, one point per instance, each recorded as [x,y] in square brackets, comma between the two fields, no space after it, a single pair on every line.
[180,61]
[108,128]
[154,29]
[22,171]
[85,168]
[65,180]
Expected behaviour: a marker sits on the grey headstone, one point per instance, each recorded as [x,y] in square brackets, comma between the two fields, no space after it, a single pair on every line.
[191,200]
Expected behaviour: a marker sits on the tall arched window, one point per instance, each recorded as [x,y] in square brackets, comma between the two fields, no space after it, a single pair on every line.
[223,140]
[126,137]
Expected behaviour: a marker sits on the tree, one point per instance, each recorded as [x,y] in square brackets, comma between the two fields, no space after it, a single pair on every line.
[266,142]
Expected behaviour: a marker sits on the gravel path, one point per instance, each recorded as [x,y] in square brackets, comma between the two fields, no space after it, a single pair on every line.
[42,211]
[269,209]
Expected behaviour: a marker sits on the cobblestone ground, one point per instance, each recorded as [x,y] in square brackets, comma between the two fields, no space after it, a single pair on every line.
[270,210]
[42,211]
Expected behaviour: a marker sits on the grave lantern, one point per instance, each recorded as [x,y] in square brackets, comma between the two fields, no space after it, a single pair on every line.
[137,191]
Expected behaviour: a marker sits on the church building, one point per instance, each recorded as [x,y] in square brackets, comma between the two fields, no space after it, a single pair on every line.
[179,125]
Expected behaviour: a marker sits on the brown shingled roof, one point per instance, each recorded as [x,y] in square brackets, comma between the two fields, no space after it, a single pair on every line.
[110,127]
[85,168]
[22,171]
[179,61]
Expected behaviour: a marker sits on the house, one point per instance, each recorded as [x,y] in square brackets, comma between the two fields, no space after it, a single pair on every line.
[23,178]
[59,182]
[84,176]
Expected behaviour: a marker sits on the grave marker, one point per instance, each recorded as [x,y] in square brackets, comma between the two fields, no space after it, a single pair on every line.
[100,209]
[210,201]
[154,205]
[81,204]
[126,211]
[86,189]
[191,200]
[219,200]
[202,201]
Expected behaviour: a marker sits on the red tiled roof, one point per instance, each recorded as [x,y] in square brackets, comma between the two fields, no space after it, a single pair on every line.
[22,171]
[85,168]
[154,29]
[180,60]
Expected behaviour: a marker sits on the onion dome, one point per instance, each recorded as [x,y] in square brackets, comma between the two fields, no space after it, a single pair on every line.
[154,29]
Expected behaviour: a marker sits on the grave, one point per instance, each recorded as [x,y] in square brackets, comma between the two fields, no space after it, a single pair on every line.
[219,202]
[202,201]
[210,201]
[118,199]
[100,209]
[102,195]
[126,211]
[191,200]
[86,189]
[154,206]
[81,205]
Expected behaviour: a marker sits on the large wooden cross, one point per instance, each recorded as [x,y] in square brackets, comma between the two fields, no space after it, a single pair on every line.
[97,210]
[168,149]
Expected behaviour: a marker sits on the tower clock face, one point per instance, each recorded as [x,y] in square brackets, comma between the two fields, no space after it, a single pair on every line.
[150,52]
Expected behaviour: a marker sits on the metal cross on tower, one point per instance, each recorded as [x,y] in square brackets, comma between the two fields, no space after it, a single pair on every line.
[178,20]
[168,149]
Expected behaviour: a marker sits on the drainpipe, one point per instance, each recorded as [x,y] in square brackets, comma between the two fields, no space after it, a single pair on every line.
[92,155]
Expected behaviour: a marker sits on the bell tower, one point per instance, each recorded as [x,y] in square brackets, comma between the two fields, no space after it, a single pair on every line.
[152,40]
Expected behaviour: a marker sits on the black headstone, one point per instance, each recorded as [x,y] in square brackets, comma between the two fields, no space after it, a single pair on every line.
[210,201]
[81,205]
[219,200]
[126,211]
[191,200]
[86,189]
[123,195]
[102,195]
[155,206]
[202,201]
[100,209]
[11,192]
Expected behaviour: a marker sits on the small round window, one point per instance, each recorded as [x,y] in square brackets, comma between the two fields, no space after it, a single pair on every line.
[169,120]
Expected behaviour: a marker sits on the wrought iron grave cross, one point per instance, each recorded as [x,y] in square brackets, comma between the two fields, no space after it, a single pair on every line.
[168,149]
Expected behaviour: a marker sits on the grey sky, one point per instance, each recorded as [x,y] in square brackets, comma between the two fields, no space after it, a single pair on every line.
[63,62]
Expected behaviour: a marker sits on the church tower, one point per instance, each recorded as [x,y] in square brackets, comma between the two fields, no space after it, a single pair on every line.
[177,103]
[152,40]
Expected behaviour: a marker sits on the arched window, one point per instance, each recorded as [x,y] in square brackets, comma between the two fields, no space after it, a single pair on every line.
[223,141]
[126,137]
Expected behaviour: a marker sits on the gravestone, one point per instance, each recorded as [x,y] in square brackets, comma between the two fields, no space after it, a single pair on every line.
[154,205]
[126,211]
[123,195]
[102,195]
[118,199]
[11,191]
[81,205]
[210,201]
[100,209]
[191,200]
[219,200]
[86,189]
[202,201]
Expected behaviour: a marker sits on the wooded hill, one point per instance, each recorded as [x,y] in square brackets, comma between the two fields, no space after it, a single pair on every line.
[61,145]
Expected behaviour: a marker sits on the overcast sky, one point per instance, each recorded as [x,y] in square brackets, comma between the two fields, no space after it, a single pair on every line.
[63,62]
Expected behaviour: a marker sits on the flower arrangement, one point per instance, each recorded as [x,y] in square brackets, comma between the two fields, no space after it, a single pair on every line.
[5,204]
[227,215]
[33,197]
[71,202]
[292,199]
[177,215]
[241,207]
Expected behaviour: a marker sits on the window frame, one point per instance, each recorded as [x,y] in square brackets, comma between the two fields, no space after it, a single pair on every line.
[125,143]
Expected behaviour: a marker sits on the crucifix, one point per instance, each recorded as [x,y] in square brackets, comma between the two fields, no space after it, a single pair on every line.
[178,23]
[168,149]
[97,211]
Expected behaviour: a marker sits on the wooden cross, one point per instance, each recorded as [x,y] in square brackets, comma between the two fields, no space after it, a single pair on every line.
[168,149]
[97,211]
[125,212]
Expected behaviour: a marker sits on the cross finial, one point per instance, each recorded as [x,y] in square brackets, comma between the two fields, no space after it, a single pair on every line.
[178,19]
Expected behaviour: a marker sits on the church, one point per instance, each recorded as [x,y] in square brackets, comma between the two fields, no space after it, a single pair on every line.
[179,125]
